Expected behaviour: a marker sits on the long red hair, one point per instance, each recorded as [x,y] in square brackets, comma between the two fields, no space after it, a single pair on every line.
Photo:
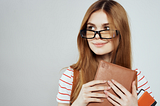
[121,55]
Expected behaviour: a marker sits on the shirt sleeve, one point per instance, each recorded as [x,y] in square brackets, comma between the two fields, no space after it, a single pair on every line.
[143,83]
[65,86]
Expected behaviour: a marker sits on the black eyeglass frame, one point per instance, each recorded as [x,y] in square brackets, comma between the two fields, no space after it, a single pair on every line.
[95,32]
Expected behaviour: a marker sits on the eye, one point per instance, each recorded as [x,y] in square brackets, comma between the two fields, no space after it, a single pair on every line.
[90,27]
[106,28]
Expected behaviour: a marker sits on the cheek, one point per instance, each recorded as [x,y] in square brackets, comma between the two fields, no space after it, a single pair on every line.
[89,42]
[109,47]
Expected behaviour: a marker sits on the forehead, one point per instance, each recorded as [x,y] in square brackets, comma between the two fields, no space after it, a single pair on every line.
[98,17]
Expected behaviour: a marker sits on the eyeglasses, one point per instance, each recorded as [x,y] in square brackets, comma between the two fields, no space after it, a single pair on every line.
[104,34]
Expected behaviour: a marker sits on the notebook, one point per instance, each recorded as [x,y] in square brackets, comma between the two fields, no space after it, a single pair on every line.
[108,71]
[145,99]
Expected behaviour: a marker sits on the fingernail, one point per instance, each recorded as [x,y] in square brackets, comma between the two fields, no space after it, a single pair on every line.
[109,88]
[109,82]
[112,80]
[134,82]
[106,93]
[105,81]
[107,96]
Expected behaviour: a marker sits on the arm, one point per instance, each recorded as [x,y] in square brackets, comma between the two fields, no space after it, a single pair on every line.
[63,104]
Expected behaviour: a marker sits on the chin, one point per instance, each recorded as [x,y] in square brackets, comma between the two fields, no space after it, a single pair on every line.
[102,52]
[99,52]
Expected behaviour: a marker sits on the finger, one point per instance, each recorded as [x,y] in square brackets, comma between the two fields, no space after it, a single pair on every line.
[98,88]
[94,82]
[96,95]
[134,92]
[113,102]
[113,99]
[123,89]
[94,100]
[116,90]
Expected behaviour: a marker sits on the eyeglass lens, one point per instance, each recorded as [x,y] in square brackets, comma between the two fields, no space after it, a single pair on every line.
[104,34]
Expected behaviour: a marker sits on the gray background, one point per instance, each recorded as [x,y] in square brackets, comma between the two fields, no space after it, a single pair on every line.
[38,39]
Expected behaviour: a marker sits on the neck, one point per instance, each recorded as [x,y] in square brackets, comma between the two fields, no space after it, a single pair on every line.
[106,57]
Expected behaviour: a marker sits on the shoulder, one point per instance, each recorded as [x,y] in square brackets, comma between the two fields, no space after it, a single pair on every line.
[68,74]
[67,77]
[65,86]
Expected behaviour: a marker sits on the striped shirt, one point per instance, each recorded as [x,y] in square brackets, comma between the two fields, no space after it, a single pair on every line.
[66,81]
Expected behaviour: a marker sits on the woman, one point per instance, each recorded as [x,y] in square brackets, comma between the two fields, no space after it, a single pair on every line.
[104,35]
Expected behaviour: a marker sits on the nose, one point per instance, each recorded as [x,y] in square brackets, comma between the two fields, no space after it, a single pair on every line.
[97,36]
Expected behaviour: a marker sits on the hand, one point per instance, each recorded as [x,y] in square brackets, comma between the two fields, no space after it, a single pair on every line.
[126,98]
[87,95]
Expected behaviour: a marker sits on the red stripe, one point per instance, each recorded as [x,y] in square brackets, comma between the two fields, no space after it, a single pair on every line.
[147,88]
[64,88]
[150,92]
[66,75]
[62,99]
[136,69]
[139,73]
[63,93]
[65,82]
[70,70]
[143,84]
[141,78]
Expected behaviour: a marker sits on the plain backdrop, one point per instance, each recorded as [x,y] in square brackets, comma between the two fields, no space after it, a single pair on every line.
[38,39]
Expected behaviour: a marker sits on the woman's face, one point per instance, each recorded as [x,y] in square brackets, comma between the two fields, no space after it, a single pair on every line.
[99,21]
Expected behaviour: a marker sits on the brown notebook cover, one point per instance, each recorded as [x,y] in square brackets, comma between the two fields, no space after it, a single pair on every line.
[108,71]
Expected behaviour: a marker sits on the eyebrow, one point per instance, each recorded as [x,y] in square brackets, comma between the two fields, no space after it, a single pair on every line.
[94,24]
[106,24]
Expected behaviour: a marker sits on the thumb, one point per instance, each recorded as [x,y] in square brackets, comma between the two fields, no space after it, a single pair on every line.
[134,92]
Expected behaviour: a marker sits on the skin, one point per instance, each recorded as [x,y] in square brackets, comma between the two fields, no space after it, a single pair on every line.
[102,48]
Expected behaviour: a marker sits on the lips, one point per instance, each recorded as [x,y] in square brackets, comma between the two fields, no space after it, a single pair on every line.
[99,44]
